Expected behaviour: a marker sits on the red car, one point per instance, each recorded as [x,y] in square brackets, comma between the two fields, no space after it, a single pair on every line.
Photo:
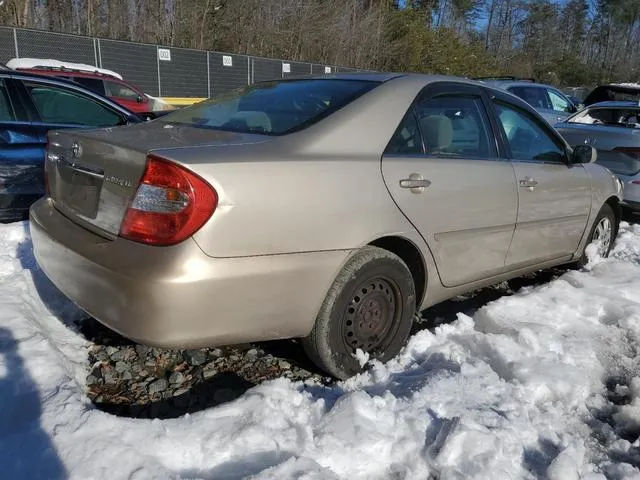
[101,81]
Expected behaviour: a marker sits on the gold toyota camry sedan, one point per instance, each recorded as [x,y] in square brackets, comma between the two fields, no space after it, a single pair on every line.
[325,208]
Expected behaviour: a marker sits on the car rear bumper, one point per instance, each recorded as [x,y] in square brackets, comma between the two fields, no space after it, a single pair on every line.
[177,296]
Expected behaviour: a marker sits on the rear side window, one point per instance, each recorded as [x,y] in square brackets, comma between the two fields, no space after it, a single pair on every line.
[59,105]
[93,84]
[6,110]
[534,96]
[454,126]
[272,108]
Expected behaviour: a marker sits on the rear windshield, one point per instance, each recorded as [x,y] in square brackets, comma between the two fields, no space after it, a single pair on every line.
[272,108]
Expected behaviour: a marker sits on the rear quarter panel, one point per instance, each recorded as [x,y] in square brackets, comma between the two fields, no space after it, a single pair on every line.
[318,189]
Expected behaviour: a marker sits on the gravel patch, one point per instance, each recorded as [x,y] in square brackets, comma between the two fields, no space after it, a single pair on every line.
[139,381]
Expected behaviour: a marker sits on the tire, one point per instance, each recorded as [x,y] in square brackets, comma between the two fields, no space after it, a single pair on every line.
[606,212]
[370,306]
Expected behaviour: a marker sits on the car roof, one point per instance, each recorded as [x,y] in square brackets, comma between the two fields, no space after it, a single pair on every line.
[70,72]
[504,84]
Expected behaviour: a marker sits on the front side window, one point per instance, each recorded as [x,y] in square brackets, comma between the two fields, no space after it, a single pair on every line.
[119,90]
[59,105]
[272,108]
[527,139]
[454,126]
[558,102]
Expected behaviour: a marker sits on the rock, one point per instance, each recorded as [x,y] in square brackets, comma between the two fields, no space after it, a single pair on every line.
[216,353]
[101,355]
[180,391]
[91,380]
[158,386]
[127,375]
[122,366]
[111,350]
[142,350]
[194,357]
[110,375]
[251,354]
[176,378]
[150,363]
[143,373]
[284,364]
[118,356]
[209,373]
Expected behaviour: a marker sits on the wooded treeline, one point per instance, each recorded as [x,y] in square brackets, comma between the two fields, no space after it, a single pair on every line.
[575,42]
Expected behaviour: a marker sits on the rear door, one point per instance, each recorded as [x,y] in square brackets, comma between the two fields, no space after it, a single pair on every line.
[443,170]
[554,197]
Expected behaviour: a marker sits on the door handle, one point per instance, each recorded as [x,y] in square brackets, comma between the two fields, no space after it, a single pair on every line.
[416,183]
[528,182]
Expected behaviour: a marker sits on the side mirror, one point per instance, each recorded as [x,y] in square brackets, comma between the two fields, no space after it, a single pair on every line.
[139,99]
[584,154]
[572,108]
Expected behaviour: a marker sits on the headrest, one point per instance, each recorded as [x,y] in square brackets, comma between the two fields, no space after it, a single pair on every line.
[437,131]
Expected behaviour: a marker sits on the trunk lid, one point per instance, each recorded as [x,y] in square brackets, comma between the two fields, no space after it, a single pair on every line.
[93,175]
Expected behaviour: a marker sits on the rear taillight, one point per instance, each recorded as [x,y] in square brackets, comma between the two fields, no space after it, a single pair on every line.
[170,205]
[631,151]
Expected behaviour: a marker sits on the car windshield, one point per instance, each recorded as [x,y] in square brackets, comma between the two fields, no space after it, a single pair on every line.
[272,108]
[613,117]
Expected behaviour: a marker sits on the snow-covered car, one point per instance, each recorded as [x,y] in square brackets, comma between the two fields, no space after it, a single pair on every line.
[550,102]
[325,208]
[613,129]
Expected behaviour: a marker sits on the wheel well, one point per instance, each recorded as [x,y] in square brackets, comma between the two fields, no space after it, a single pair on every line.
[410,255]
[614,203]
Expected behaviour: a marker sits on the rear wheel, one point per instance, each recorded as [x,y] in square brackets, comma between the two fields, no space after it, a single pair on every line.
[603,233]
[370,307]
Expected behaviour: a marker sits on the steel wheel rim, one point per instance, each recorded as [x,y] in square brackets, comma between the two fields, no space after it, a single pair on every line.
[602,235]
[372,315]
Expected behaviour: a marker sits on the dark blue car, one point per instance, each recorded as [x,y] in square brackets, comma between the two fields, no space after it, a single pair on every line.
[30,106]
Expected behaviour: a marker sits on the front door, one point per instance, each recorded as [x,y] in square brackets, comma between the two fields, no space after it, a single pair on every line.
[443,171]
[554,196]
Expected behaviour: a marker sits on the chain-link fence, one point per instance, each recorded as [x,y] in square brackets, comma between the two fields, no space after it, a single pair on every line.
[156,69]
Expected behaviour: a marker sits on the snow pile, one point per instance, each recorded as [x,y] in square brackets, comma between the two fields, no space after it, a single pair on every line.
[27,63]
[519,390]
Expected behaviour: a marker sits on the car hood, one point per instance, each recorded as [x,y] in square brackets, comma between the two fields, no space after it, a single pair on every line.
[155,135]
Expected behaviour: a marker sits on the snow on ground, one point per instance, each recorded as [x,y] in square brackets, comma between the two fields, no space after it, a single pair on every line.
[517,391]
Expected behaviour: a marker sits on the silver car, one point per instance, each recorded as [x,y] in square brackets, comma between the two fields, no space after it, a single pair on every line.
[550,102]
[327,208]
[613,128]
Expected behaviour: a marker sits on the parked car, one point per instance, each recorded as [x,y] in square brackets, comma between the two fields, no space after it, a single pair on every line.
[552,104]
[613,92]
[613,128]
[326,208]
[102,81]
[30,106]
